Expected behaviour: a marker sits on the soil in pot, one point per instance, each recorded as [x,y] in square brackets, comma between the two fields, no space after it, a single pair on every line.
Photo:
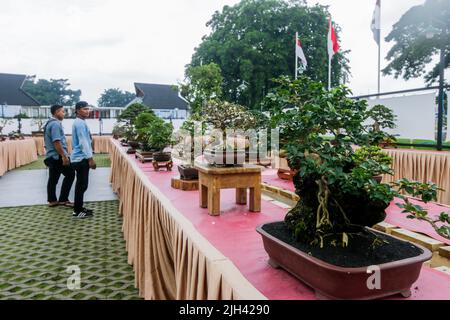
[359,253]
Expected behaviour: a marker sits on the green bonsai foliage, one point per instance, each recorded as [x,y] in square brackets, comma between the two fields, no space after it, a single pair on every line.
[426,192]
[339,193]
[159,134]
[338,190]
[119,130]
[141,124]
[383,118]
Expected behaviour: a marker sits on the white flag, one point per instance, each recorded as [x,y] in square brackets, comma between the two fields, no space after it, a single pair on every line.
[376,22]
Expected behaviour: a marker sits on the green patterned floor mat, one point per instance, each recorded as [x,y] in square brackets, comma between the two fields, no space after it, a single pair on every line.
[102,160]
[43,250]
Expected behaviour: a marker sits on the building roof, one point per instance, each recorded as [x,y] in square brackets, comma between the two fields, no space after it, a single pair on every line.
[11,92]
[160,96]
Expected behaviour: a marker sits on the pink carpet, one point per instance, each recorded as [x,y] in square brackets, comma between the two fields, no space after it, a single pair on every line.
[233,233]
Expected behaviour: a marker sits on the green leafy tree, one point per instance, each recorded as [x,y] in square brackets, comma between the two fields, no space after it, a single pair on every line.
[253,42]
[130,114]
[418,36]
[115,98]
[202,83]
[53,91]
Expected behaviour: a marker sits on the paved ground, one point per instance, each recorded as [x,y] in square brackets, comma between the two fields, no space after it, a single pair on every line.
[41,247]
[28,187]
[39,244]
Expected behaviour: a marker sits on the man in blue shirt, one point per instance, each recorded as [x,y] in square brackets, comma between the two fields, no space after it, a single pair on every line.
[82,158]
[57,159]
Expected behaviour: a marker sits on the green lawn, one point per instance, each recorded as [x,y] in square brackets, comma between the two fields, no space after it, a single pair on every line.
[38,245]
[102,160]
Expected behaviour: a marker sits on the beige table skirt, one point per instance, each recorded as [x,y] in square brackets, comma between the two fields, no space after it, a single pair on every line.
[100,144]
[424,166]
[16,153]
[171,259]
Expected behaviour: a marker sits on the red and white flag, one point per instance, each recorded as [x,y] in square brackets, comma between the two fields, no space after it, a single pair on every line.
[333,44]
[299,52]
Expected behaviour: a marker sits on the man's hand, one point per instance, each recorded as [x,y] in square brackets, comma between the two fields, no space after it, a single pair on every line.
[66,161]
[92,164]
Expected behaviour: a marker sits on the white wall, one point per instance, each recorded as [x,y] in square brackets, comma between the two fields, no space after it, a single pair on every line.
[416,115]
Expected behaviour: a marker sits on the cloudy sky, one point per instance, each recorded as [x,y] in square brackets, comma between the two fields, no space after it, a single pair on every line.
[100,44]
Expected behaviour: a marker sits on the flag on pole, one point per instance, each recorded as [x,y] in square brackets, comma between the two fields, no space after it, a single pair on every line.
[333,48]
[376,22]
[333,44]
[299,53]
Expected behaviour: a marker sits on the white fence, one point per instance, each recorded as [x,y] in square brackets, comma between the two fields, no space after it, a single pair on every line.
[28,125]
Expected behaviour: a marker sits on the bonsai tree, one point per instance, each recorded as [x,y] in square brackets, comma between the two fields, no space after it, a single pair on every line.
[128,118]
[158,134]
[339,193]
[383,118]
[141,124]
[3,123]
[190,133]
[118,131]
[39,123]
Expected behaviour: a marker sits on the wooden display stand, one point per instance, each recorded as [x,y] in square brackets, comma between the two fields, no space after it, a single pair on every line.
[144,156]
[185,185]
[159,165]
[213,179]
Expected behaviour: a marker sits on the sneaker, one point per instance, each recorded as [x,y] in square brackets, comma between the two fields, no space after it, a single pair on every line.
[82,215]
[88,210]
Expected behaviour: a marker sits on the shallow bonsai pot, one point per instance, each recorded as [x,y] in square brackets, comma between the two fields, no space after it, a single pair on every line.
[227,158]
[162,156]
[131,151]
[188,173]
[37,133]
[338,283]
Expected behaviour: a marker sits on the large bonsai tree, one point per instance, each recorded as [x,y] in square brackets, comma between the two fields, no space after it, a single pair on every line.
[340,194]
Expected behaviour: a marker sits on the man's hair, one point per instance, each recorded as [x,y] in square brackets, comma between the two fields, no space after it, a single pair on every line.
[81,105]
[55,108]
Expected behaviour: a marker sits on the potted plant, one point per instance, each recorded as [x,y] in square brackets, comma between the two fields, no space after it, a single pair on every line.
[160,137]
[188,137]
[39,123]
[128,118]
[223,116]
[3,123]
[326,240]
[383,118]
[118,131]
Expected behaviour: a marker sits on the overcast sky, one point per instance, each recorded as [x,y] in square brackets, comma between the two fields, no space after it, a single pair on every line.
[99,44]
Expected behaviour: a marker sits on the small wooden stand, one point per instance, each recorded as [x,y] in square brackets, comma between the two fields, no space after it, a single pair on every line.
[158,165]
[144,156]
[185,185]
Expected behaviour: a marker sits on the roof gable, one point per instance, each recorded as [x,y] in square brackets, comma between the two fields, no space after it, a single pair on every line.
[11,92]
[160,96]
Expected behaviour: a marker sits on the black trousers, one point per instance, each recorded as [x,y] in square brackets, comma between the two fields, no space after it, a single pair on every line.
[82,173]
[56,168]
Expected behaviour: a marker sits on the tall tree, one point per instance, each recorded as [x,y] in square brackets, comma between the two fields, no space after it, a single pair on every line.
[253,42]
[115,98]
[53,91]
[419,35]
[202,83]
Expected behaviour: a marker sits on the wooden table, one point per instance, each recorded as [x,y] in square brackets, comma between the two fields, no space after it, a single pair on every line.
[213,179]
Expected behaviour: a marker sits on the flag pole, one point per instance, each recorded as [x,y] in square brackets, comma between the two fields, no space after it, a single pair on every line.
[329,73]
[379,55]
[296,58]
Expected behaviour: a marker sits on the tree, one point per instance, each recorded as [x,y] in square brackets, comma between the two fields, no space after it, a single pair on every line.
[115,98]
[419,34]
[253,42]
[53,91]
[202,84]
[130,114]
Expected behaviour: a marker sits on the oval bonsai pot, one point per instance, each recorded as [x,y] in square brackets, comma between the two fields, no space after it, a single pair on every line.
[339,283]
[162,156]
[188,173]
